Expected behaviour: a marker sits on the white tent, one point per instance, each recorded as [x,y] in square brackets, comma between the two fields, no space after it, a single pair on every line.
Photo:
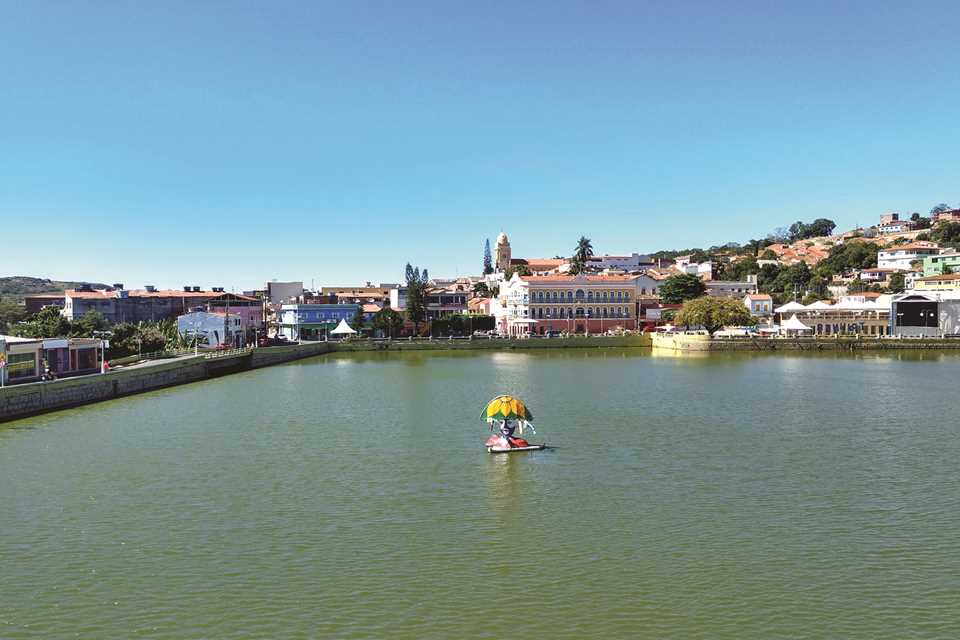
[342,329]
[790,307]
[794,325]
[819,305]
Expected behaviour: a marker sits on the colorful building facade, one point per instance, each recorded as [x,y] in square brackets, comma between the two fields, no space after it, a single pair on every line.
[573,304]
[312,321]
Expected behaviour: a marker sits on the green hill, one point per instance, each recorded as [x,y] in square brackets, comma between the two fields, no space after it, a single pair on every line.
[14,288]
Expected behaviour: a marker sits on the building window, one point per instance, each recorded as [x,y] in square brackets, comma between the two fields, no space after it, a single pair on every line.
[21,365]
[626,296]
[570,295]
[604,296]
[605,312]
[590,296]
[579,295]
[643,291]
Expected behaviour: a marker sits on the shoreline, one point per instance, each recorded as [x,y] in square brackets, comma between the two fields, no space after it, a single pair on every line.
[34,398]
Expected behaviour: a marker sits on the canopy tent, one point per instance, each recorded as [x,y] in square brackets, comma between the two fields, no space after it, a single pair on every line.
[790,307]
[342,329]
[794,325]
[819,305]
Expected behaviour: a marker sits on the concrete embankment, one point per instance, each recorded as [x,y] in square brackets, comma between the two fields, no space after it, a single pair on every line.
[443,344]
[703,343]
[18,401]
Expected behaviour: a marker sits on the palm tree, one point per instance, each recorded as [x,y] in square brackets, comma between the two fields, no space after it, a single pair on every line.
[581,254]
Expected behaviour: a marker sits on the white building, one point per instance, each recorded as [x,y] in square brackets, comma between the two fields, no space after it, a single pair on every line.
[702,270]
[216,329]
[575,304]
[282,292]
[901,256]
[731,288]
[876,274]
[632,262]
[891,223]
[647,285]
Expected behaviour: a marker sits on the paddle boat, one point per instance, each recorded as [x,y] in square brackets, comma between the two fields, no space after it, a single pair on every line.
[507,415]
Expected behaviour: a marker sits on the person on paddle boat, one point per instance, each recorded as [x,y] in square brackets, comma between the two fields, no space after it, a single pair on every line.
[507,427]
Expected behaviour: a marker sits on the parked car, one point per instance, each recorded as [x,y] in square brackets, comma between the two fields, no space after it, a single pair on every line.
[272,342]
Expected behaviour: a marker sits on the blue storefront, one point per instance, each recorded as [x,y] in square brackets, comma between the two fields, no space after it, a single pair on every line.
[313,321]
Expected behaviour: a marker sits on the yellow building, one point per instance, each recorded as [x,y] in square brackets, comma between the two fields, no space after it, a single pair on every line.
[945,282]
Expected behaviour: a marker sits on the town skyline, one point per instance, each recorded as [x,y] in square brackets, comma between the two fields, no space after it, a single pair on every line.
[163,280]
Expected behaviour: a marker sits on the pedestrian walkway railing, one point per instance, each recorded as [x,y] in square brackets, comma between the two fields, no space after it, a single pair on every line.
[227,353]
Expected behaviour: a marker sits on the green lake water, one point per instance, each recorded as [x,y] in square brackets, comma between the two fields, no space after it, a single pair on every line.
[350,496]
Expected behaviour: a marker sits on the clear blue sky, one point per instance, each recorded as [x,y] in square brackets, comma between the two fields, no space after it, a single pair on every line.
[231,143]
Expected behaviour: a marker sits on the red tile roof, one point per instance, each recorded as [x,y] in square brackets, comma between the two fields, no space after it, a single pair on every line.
[162,293]
[946,277]
[573,279]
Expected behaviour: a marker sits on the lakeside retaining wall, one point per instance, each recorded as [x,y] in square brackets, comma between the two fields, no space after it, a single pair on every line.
[443,344]
[18,401]
[701,342]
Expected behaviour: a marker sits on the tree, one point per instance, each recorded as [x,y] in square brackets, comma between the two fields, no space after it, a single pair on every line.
[10,314]
[698,256]
[481,290]
[768,255]
[88,323]
[522,270]
[850,255]
[940,208]
[714,313]
[416,295]
[581,255]
[680,288]
[819,227]
[356,323]
[487,258]
[919,222]
[946,233]
[388,321]
[46,323]
[897,283]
